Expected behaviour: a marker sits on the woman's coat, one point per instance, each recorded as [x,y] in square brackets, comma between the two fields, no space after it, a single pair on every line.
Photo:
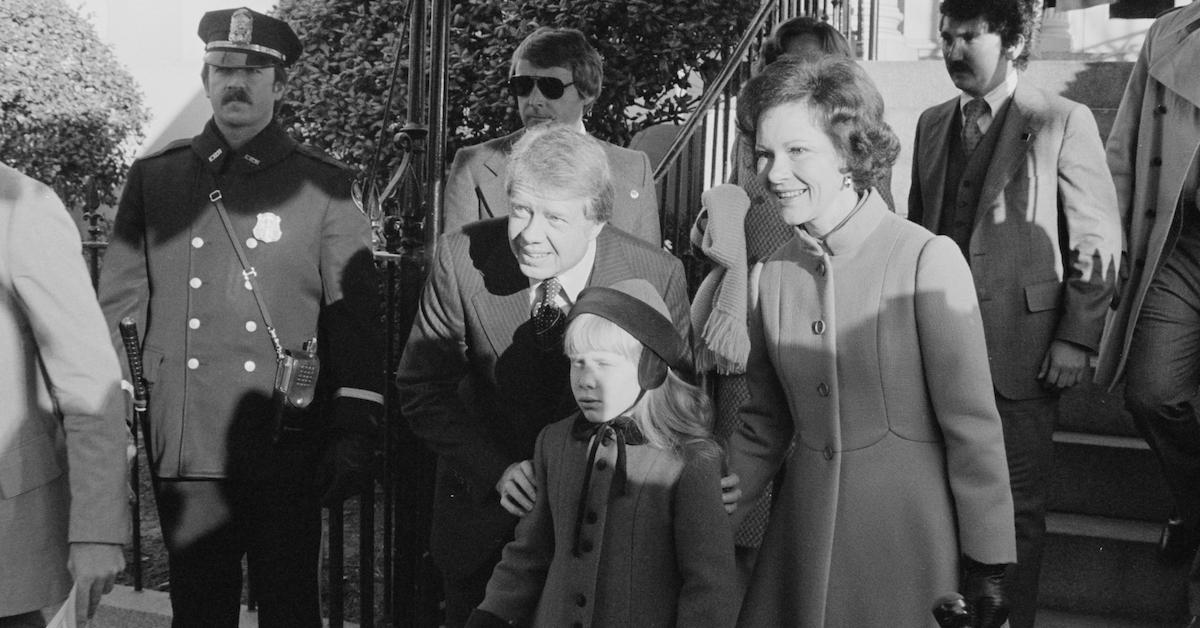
[868,354]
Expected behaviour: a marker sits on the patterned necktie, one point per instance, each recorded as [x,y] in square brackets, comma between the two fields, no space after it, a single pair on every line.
[972,112]
[549,321]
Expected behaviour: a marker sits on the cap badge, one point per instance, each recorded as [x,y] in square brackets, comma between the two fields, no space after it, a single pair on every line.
[241,27]
[267,227]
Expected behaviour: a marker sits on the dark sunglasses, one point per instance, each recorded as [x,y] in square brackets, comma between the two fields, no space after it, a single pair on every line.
[550,87]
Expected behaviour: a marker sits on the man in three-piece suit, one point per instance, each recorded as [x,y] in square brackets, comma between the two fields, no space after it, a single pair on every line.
[1017,178]
[555,78]
[479,378]
[63,508]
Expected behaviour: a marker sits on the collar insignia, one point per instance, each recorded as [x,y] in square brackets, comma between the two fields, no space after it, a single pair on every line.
[216,155]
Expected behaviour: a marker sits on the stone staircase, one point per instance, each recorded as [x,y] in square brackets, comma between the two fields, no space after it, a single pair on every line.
[1107,502]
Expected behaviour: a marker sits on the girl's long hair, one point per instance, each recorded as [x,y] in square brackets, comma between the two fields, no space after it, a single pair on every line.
[671,416]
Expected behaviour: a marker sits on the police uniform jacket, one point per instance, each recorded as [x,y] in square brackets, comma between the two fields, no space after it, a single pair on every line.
[171,266]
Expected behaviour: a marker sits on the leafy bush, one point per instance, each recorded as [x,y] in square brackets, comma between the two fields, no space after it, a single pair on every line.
[339,86]
[68,111]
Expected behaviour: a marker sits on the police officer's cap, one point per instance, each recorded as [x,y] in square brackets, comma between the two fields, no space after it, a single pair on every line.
[241,38]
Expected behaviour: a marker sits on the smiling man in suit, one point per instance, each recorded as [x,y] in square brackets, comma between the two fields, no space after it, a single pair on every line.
[481,375]
[1017,178]
[555,78]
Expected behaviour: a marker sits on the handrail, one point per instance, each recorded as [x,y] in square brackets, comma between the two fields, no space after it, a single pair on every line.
[712,92]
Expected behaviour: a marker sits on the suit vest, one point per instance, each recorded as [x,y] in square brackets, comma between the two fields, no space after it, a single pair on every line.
[964,179]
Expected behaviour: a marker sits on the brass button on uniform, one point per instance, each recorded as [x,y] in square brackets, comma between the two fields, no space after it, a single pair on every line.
[249,366]
[818,327]
[195,282]
[193,363]
[251,326]
[251,243]
[197,242]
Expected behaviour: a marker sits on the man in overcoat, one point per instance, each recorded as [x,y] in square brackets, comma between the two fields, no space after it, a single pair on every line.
[479,378]
[1153,340]
[63,509]
[1016,176]
[236,472]
[555,77]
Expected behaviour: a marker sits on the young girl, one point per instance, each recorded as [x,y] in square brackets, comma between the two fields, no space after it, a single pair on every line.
[627,528]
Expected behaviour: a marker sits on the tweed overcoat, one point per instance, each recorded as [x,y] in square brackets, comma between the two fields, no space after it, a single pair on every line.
[1046,238]
[476,387]
[62,426]
[661,555]
[868,355]
[475,187]
[171,265]
[1154,140]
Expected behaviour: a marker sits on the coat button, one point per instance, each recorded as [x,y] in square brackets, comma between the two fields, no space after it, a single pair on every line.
[194,323]
[580,599]
[197,242]
[586,546]
[251,243]
[249,366]
[251,326]
[1161,109]
[821,269]
[818,327]
[193,363]
[1156,161]
[195,282]
[828,452]
[634,194]
[1150,213]
[577,624]
[591,517]
[823,389]
[248,285]
[602,464]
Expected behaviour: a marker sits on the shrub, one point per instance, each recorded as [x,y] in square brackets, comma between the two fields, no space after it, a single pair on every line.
[650,49]
[68,111]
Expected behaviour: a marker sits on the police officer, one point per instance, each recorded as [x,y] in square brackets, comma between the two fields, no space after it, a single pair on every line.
[235,475]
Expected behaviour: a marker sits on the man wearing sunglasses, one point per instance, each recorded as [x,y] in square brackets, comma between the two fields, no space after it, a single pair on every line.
[555,78]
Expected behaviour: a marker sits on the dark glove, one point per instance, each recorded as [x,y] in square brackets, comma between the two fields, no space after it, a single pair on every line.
[986,592]
[347,467]
[483,619]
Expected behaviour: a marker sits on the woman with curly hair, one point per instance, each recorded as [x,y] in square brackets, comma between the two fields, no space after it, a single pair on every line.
[868,376]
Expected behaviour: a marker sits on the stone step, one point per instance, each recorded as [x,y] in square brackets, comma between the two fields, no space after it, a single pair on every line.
[1107,567]
[1108,476]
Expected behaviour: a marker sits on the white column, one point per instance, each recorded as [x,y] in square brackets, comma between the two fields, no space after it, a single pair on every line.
[892,45]
[921,19]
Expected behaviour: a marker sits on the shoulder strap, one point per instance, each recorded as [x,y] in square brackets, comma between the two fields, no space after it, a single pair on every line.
[248,272]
